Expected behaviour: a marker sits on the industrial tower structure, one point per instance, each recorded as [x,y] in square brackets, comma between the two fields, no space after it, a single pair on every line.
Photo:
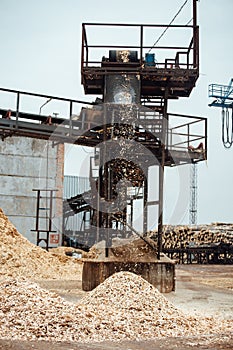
[135,90]
[128,124]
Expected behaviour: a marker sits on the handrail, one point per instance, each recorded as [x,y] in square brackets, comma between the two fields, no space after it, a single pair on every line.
[192,46]
[183,125]
[187,142]
[186,116]
[136,47]
[85,24]
[186,137]
[46,96]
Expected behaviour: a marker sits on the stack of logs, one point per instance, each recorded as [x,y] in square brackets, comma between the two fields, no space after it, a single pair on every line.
[176,237]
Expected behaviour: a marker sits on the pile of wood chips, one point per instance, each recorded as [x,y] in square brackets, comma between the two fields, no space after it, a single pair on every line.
[124,306]
[20,258]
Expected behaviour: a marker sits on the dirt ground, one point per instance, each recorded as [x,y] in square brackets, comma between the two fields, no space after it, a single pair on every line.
[206,289]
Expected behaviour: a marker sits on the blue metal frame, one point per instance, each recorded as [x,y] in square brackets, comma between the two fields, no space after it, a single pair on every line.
[223,95]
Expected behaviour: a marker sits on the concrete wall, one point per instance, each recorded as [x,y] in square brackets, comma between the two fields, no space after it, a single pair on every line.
[27,164]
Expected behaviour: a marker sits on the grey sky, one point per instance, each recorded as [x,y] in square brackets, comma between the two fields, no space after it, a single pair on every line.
[40,52]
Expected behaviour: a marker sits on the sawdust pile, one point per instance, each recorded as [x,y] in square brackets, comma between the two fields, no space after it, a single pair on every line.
[124,306]
[20,258]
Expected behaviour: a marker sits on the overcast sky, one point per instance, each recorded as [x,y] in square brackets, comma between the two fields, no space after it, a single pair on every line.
[40,52]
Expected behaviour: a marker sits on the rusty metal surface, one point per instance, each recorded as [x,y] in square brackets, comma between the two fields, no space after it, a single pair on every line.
[88,130]
[178,71]
[160,274]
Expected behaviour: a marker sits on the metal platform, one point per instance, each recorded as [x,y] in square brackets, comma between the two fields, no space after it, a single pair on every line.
[223,95]
[183,132]
[176,70]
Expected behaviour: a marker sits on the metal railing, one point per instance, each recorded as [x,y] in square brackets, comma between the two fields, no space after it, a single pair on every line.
[182,131]
[67,109]
[187,134]
[221,91]
[190,51]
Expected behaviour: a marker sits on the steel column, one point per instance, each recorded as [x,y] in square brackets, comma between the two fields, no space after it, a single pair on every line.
[161,174]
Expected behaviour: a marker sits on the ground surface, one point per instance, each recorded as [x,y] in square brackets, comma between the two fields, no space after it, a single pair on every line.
[203,289]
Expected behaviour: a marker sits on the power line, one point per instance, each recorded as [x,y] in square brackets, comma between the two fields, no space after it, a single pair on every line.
[189,21]
[173,19]
[89,152]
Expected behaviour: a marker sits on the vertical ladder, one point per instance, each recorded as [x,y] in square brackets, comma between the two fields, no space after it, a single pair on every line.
[46,229]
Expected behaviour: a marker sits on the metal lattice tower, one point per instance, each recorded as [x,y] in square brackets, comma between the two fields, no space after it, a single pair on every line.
[193,195]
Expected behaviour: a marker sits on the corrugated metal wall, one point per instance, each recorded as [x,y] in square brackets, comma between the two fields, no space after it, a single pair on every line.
[74,185]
